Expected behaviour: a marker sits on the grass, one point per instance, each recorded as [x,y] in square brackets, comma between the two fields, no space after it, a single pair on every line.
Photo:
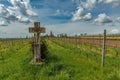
[61,64]
[90,67]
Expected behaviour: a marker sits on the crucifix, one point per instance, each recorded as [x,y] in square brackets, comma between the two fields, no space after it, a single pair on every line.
[36,45]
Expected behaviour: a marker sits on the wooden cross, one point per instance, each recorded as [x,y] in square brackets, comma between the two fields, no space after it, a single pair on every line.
[37,30]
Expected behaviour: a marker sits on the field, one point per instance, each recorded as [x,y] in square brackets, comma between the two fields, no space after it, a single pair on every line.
[65,61]
[59,39]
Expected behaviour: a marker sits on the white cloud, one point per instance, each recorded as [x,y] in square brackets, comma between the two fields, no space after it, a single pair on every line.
[118,19]
[58,12]
[80,15]
[114,31]
[115,3]
[31,13]
[6,15]
[23,19]
[102,19]
[3,22]
[89,4]
[19,11]
[87,17]
[23,6]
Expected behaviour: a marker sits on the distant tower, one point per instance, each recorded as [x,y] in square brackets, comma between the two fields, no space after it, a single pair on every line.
[26,36]
[51,34]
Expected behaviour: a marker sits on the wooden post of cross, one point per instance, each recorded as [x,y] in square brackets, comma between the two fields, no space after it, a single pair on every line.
[36,45]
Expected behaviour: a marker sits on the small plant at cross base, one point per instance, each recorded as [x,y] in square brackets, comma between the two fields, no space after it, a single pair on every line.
[44,49]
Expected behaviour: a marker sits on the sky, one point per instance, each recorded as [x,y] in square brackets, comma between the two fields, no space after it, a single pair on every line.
[59,16]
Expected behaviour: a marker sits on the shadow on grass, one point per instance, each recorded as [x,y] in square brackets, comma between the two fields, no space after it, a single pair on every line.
[52,58]
[57,67]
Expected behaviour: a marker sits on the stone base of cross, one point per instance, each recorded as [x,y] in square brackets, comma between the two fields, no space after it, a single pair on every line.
[36,44]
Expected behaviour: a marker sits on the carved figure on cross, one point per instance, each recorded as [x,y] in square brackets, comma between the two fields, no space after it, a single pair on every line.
[37,30]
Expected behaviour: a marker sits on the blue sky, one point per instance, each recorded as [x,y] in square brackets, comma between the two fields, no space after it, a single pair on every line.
[60,16]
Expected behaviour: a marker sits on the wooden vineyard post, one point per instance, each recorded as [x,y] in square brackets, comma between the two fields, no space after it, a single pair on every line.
[69,42]
[76,43]
[64,42]
[36,45]
[80,43]
[104,48]
[100,41]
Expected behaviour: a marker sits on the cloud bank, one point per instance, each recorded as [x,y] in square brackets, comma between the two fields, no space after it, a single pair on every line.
[102,19]
[114,31]
[87,10]
[89,4]
[20,10]
[80,15]
[115,3]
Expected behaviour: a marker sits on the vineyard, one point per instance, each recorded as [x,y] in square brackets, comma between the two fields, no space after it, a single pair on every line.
[59,39]
[68,58]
